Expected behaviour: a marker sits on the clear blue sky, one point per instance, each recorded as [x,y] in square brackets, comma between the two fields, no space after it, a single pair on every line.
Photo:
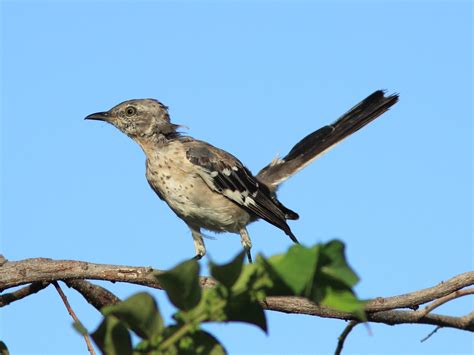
[251,78]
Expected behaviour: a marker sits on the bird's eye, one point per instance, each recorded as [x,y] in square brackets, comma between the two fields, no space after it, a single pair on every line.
[130,111]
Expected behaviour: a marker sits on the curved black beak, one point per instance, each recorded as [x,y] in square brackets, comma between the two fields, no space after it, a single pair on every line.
[99,116]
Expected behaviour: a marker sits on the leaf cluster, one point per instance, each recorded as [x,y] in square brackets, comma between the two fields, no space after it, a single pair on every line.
[319,273]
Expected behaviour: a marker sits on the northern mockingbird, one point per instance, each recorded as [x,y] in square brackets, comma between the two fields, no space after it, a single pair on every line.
[211,189]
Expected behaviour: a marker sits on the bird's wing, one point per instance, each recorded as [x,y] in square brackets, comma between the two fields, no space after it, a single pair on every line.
[320,141]
[226,175]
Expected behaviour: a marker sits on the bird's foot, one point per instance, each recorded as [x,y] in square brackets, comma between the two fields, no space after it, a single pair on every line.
[249,255]
[197,257]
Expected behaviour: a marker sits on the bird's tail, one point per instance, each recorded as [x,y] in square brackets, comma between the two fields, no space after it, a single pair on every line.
[320,141]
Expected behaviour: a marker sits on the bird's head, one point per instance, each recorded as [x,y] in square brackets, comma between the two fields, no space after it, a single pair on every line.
[139,119]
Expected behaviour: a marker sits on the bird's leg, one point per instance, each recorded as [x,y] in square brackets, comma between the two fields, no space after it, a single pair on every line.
[199,246]
[246,243]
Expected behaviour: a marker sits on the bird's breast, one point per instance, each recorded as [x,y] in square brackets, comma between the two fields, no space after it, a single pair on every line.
[173,178]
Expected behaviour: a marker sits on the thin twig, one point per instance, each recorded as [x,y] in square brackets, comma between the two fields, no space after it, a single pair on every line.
[443,300]
[73,315]
[431,333]
[342,338]
[8,298]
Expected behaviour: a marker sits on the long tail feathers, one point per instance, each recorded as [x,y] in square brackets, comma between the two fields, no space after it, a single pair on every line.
[320,141]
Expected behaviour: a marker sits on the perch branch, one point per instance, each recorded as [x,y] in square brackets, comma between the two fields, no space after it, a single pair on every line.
[380,310]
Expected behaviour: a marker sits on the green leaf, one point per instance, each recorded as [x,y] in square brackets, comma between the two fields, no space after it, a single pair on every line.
[275,285]
[3,349]
[335,264]
[248,277]
[79,327]
[219,304]
[200,343]
[343,299]
[212,306]
[140,312]
[333,281]
[148,347]
[320,273]
[143,347]
[228,274]
[182,284]
[295,269]
[112,337]
[242,308]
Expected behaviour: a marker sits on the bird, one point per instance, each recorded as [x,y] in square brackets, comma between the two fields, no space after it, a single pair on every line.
[211,189]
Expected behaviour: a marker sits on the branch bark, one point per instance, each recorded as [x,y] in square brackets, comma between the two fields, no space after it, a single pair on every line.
[379,310]
[17,273]
[35,287]
[96,295]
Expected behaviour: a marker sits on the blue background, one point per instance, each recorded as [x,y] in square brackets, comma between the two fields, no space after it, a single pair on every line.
[252,78]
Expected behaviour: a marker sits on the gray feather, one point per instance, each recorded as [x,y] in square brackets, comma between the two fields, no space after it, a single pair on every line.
[228,176]
[318,142]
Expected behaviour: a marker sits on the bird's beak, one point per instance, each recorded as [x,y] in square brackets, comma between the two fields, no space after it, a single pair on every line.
[99,116]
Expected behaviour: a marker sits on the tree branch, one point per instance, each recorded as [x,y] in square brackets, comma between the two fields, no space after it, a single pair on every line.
[414,299]
[298,305]
[35,287]
[342,338]
[380,310]
[447,298]
[96,295]
[73,315]
[16,273]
